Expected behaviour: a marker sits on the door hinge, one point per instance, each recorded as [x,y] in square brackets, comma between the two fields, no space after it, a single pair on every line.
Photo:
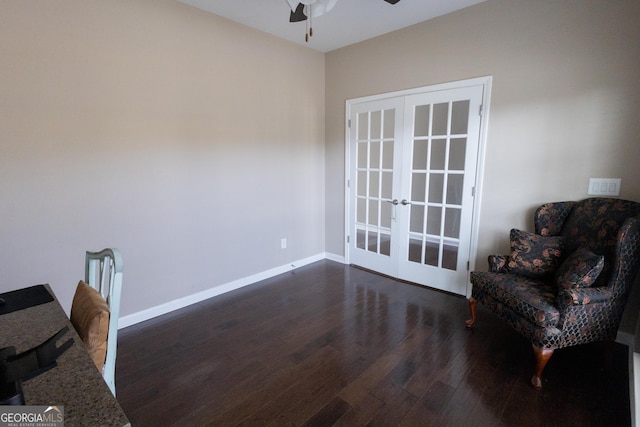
[480,110]
[473,191]
[468,265]
[348,183]
[348,239]
[349,124]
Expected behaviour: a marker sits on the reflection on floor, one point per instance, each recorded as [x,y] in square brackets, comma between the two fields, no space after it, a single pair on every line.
[329,344]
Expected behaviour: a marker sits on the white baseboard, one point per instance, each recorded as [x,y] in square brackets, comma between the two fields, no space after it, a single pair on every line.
[334,257]
[179,303]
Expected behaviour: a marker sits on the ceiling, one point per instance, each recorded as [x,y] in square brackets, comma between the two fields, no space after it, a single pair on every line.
[350,21]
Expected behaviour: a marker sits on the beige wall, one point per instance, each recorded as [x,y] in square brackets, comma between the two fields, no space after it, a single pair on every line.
[564,107]
[189,142]
[194,144]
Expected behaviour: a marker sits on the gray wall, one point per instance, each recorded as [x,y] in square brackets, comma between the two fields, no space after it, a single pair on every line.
[565,102]
[191,143]
[194,144]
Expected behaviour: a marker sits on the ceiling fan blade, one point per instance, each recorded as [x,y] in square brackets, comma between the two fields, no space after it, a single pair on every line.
[392,1]
[298,15]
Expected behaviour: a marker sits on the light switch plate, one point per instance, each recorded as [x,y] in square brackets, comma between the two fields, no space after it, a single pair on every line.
[604,186]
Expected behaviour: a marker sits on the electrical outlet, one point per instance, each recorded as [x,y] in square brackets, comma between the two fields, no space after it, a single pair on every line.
[283,243]
[604,187]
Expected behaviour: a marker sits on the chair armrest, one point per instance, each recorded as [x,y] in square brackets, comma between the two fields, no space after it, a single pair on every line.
[498,263]
[549,218]
[625,265]
[583,296]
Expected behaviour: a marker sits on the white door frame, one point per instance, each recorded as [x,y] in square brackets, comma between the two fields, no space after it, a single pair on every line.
[485,82]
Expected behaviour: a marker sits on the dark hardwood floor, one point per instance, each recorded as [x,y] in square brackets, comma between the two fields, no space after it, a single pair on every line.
[329,344]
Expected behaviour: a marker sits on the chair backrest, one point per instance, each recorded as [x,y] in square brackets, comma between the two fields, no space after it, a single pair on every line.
[595,223]
[103,272]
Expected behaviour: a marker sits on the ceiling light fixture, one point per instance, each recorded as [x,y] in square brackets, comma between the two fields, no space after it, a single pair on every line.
[306,10]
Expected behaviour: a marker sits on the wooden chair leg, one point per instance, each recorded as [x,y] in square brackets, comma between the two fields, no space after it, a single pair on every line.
[472,308]
[542,357]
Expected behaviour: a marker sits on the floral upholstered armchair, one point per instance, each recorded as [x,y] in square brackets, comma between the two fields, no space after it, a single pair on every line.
[567,283]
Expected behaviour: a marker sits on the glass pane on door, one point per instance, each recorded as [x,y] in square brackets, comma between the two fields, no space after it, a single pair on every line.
[437,182]
[374,180]
[412,166]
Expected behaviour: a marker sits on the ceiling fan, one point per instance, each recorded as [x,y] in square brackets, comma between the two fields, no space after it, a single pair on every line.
[306,10]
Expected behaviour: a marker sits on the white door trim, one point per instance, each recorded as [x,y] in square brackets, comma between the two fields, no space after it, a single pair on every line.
[485,82]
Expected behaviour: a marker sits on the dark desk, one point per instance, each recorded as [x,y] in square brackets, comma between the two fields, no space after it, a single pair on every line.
[75,383]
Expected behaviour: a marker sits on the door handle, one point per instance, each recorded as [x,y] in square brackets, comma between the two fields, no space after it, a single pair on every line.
[393,202]
[405,202]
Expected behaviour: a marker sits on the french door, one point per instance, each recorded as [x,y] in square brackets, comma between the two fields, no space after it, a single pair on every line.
[411,184]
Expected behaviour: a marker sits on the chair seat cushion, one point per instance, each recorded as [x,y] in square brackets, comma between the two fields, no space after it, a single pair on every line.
[532,299]
[90,318]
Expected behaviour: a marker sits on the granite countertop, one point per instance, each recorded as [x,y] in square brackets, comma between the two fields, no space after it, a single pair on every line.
[75,382]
